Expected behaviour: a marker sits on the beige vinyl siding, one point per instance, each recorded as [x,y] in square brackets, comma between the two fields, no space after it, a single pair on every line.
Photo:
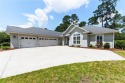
[92,39]
[109,39]
[14,41]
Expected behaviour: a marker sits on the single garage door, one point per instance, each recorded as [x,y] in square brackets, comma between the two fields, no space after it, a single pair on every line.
[47,41]
[26,41]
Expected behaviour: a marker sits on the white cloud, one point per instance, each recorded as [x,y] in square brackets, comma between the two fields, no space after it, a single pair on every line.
[51,17]
[27,25]
[64,5]
[2,29]
[31,17]
[40,16]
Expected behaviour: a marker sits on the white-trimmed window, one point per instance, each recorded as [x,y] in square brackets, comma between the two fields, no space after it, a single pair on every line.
[26,37]
[76,39]
[34,38]
[30,38]
[22,37]
[42,38]
[99,38]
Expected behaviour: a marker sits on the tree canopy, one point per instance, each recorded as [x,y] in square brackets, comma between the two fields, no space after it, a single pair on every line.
[81,24]
[93,20]
[4,37]
[67,20]
[107,15]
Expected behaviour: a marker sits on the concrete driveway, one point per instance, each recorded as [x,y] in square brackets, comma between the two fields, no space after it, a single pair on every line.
[29,59]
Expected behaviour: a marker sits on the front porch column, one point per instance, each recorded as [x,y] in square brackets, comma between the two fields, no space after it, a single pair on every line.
[63,39]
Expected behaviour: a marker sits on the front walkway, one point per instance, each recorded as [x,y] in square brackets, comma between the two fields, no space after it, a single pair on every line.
[24,60]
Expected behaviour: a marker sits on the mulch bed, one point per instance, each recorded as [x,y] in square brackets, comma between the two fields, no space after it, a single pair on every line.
[112,49]
[6,50]
[119,50]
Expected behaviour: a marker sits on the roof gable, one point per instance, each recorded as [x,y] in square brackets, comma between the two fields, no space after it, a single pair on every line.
[72,27]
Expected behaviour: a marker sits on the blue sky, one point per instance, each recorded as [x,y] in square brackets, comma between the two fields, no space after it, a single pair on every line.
[46,13]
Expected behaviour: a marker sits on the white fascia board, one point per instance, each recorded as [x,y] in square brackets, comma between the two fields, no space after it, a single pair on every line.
[84,30]
[67,28]
[74,28]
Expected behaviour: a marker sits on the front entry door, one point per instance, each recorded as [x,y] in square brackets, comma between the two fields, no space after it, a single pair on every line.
[67,41]
[99,41]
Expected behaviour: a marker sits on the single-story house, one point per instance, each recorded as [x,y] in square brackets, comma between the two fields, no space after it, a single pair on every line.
[73,35]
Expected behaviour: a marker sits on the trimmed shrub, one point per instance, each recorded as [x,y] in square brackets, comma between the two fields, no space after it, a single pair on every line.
[72,46]
[119,36]
[91,46]
[5,47]
[106,46]
[5,44]
[78,45]
[75,46]
[120,44]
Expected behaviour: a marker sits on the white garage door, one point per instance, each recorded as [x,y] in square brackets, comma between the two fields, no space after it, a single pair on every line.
[26,41]
[47,41]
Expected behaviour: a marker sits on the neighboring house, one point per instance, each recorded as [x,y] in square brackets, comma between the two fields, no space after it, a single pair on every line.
[74,35]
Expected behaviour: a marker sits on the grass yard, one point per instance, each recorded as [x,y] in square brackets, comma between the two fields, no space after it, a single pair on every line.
[120,52]
[89,72]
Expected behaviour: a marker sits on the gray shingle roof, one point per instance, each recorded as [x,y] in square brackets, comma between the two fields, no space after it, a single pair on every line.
[99,30]
[33,31]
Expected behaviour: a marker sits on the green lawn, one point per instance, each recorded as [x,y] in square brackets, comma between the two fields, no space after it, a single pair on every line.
[120,52]
[89,72]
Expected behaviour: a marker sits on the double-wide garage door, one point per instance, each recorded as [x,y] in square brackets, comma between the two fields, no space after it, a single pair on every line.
[26,41]
[29,41]
[47,41]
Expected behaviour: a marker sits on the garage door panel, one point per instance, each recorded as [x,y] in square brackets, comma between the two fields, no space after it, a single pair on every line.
[42,43]
[26,41]
[47,42]
[29,41]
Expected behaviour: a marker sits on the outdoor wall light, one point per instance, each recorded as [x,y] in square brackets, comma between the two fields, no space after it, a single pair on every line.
[14,36]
